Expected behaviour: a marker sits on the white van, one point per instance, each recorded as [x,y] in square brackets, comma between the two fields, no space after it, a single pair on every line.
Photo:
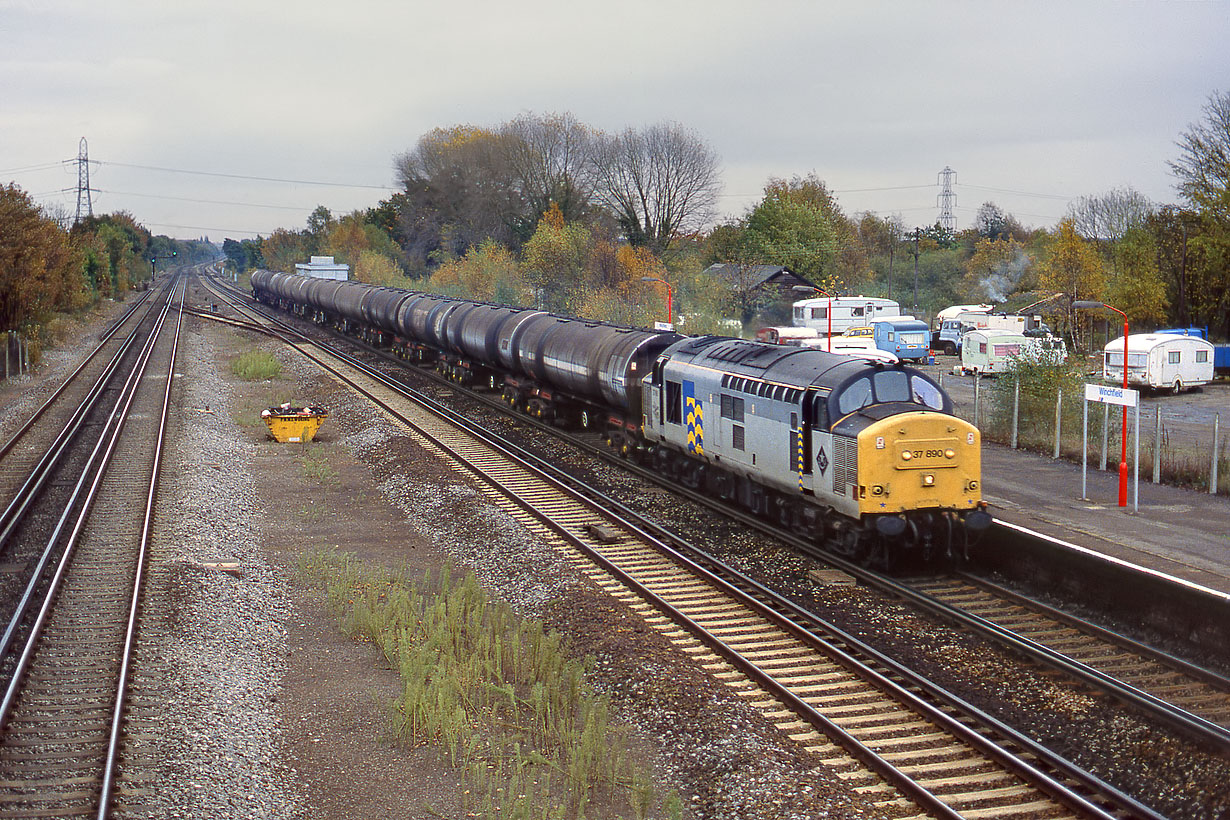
[848,311]
[1159,361]
[990,349]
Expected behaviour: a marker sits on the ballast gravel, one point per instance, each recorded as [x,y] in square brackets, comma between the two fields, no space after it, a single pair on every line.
[237,660]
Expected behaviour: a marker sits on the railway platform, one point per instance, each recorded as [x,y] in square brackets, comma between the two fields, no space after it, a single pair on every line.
[1178,532]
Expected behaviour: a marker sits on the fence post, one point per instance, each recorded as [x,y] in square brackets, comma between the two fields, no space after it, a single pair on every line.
[1106,432]
[1213,471]
[1058,414]
[1016,408]
[977,383]
[1157,447]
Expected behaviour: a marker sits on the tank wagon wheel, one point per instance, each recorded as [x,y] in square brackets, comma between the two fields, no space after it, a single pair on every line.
[491,381]
[585,419]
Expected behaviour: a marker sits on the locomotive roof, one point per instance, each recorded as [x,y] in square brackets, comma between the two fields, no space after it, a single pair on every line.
[796,366]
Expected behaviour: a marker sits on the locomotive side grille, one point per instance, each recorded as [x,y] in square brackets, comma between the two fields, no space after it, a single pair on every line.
[845,463]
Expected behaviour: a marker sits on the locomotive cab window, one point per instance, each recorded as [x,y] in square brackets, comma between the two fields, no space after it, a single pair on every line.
[926,393]
[892,385]
[856,395]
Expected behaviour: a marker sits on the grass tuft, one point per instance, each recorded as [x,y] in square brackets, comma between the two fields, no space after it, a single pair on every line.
[255,366]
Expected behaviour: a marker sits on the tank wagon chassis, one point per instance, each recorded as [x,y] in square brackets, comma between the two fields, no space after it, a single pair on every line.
[864,460]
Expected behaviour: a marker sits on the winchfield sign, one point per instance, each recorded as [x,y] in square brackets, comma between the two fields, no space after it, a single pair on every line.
[1106,394]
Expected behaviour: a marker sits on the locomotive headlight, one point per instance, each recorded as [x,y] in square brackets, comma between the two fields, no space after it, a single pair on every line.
[928,480]
[906,455]
[950,453]
[877,489]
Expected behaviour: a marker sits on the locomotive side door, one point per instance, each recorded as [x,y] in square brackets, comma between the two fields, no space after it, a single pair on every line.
[817,441]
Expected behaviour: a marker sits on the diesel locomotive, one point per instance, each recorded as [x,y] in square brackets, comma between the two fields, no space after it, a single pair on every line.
[863,457]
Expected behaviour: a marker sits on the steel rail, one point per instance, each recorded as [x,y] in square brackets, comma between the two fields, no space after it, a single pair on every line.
[99,457]
[43,470]
[130,634]
[21,431]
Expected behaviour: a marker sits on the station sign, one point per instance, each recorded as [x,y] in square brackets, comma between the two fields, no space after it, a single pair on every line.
[1106,394]
[663,326]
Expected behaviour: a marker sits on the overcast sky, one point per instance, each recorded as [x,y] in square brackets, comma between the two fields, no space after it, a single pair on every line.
[1031,103]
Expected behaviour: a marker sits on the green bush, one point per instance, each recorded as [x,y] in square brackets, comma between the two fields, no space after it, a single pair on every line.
[256,366]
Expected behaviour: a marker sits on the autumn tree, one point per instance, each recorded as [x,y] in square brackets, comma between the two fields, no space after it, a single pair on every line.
[658,182]
[488,273]
[1073,267]
[459,190]
[994,270]
[555,259]
[40,271]
[283,249]
[1135,284]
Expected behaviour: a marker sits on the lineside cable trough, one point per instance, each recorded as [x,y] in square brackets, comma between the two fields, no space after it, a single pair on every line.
[296,425]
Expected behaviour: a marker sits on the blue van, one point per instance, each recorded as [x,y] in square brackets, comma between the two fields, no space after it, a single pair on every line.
[908,338]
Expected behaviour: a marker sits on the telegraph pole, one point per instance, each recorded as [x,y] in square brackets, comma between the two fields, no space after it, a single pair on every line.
[84,206]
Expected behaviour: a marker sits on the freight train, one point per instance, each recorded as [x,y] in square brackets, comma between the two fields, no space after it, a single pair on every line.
[862,457]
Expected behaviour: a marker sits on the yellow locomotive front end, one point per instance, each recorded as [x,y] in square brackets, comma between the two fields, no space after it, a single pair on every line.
[919,461]
[920,484]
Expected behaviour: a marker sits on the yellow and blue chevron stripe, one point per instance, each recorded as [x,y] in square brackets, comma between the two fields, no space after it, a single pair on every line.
[694,419]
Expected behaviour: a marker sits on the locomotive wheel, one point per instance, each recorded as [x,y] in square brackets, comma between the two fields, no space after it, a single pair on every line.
[585,419]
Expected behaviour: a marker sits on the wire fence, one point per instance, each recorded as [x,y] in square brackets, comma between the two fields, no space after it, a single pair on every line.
[1045,413]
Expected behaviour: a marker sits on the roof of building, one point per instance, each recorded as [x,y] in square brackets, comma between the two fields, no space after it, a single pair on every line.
[754,275]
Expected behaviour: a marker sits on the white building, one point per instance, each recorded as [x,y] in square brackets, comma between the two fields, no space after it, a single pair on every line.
[323,267]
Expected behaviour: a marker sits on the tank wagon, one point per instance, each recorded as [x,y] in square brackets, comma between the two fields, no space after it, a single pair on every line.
[864,457]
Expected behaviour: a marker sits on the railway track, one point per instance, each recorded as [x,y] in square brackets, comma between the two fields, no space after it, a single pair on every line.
[856,709]
[67,643]
[1177,693]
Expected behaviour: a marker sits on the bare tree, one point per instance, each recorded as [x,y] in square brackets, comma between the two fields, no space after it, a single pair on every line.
[549,157]
[1204,168]
[1110,215]
[658,182]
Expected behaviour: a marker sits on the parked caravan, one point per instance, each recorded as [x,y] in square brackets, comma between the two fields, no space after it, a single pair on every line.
[989,350]
[904,338]
[948,333]
[1159,361]
[953,311]
[848,311]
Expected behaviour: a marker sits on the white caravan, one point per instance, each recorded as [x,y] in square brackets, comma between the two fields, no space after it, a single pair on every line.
[848,311]
[1159,361]
[990,349]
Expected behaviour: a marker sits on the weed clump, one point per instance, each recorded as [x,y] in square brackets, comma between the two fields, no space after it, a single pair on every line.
[256,366]
[511,709]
